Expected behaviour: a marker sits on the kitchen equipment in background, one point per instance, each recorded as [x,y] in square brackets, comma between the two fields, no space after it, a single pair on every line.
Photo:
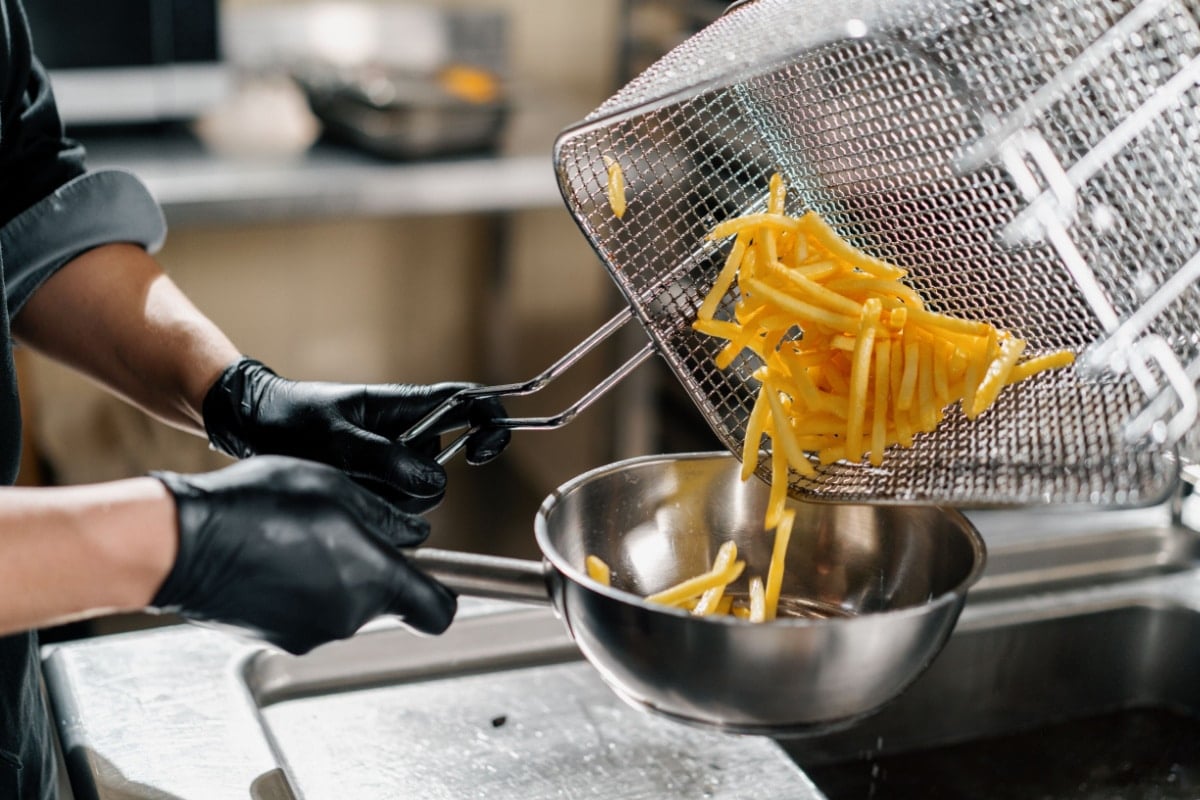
[131,61]
[400,80]
[869,597]
[1030,164]
[457,109]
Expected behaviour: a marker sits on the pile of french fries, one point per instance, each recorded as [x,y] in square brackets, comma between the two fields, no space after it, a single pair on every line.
[708,593]
[852,362]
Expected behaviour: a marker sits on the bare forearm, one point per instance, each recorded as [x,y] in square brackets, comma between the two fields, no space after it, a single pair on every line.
[69,553]
[114,315]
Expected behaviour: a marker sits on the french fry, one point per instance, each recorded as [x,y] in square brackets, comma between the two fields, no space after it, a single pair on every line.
[598,570]
[783,435]
[819,230]
[779,222]
[1027,369]
[615,187]
[783,534]
[755,426]
[698,585]
[860,373]
[879,416]
[710,601]
[777,497]
[819,295]
[805,312]
[927,319]
[926,404]
[776,194]
[908,379]
[724,278]
[758,600]
[996,376]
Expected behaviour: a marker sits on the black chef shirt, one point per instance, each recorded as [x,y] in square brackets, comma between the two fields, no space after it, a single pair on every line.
[51,210]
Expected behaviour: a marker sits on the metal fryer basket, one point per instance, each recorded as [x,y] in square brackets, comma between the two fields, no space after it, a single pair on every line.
[1031,163]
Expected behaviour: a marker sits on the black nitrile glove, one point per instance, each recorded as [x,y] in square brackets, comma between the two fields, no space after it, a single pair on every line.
[252,411]
[295,553]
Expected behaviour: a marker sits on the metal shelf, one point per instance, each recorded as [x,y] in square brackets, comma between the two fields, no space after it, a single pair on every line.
[198,187]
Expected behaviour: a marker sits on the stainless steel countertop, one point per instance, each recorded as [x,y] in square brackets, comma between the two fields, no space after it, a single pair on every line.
[498,707]
[501,706]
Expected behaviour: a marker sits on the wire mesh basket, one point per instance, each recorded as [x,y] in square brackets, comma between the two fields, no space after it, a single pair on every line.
[1031,163]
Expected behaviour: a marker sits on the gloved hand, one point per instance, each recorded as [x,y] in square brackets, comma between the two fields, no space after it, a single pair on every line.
[295,553]
[252,411]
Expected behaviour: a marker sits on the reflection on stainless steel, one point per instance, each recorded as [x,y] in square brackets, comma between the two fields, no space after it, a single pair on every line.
[542,732]
[899,574]
[1070,626]
[498,707]
[801,607]
[156,714]
[896,576]
[1021,665]
[1130,754]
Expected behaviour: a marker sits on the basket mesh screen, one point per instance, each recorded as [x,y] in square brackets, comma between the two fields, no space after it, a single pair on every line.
[869,111]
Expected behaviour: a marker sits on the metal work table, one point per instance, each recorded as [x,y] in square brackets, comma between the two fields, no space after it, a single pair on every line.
[1079,614]
[500,706]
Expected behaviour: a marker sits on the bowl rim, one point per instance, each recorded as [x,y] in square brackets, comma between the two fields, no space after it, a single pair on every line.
[956,595]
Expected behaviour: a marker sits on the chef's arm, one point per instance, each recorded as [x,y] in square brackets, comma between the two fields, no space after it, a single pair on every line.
[57,223]
[114,315]
[111,313]
[73,552]
[290,551]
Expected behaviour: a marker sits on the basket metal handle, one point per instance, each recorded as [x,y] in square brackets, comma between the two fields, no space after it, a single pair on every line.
[572,357]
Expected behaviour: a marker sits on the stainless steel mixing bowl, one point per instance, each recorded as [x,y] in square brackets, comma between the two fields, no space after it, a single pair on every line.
[870,593]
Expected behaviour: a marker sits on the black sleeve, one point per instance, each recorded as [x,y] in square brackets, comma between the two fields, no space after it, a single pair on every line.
[35,156]
[51,207]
